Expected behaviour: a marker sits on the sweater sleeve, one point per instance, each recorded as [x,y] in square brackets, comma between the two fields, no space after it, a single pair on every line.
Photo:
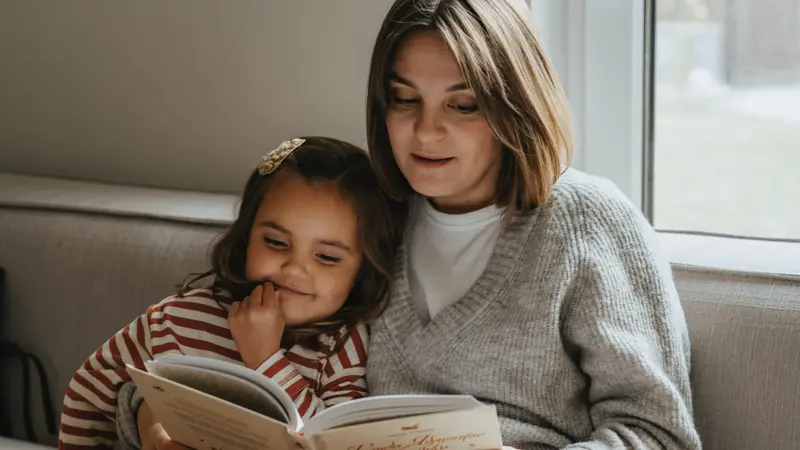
[627,328]
[89,409]
[343,377]
[128,404]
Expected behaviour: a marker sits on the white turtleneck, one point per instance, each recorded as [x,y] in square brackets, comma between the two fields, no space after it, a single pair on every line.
[447,253]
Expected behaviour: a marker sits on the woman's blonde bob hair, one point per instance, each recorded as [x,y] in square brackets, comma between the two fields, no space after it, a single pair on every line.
[515,86]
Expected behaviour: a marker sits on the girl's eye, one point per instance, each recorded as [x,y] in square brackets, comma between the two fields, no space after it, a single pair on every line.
[465,109]
[327,259]
[275,243]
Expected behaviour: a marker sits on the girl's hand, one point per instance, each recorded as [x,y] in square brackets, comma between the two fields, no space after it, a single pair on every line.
[152,433]
[257,325]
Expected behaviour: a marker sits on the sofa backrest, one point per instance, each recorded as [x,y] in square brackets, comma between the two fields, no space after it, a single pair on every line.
[84,259]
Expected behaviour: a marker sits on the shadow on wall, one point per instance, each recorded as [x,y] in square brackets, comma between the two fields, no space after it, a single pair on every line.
[183,94]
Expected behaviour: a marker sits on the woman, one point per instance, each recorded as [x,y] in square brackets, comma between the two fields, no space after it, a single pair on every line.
[536,289]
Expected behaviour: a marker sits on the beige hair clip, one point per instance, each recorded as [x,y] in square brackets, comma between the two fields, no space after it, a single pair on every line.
[272,160]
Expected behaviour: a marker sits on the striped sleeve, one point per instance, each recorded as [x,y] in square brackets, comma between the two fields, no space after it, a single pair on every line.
[191,324]
[89,409]
[343,376]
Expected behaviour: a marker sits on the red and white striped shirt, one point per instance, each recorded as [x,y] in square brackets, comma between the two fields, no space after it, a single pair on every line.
[196,324]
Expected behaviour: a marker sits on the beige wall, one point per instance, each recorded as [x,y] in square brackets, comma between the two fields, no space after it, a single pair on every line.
[178,93]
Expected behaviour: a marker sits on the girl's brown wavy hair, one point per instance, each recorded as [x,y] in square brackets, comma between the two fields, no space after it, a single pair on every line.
[381,223]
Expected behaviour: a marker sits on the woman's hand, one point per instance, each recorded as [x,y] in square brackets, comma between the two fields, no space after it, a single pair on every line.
[152,433]
[257,325]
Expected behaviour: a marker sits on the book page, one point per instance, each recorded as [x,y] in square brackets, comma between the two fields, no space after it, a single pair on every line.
[372,409]
[473,429]
[221,385]
[275,391]
[203,422]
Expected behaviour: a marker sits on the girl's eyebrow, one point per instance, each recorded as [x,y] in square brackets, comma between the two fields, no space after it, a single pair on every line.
[337,244]
[395,78]
[273,225]
[330,242]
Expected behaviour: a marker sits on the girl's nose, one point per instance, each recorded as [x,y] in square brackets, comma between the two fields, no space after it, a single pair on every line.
[294,267]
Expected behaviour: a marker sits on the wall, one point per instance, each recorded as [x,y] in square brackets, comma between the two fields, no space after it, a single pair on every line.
[185,93]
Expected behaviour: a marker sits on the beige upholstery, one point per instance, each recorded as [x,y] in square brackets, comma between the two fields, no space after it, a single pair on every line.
[745,334]
[83,260]
[8,443]
[76,276]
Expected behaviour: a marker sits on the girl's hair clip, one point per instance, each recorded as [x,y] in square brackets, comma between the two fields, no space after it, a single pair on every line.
[272,160]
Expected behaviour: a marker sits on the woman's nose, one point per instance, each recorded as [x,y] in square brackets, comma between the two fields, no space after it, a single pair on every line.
[428,127]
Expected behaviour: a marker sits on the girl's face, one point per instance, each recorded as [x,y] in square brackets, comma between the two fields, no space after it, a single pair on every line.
[305,240]
[442,144]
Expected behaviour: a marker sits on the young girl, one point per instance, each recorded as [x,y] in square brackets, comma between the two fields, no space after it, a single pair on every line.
[306,263]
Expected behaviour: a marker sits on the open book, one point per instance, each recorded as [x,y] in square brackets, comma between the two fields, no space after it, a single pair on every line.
[207,404]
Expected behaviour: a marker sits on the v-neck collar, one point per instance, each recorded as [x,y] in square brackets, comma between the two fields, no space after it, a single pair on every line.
[415,337]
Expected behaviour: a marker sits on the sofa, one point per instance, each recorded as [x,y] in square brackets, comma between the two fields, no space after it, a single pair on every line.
[83,259]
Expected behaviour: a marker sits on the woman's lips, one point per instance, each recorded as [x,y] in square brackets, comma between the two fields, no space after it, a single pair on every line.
[430,161]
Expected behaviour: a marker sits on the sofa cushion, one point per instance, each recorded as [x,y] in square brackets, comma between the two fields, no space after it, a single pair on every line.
[13,444]
[745,337]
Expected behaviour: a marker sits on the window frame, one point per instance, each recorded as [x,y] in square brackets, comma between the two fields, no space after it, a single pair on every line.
[601,50]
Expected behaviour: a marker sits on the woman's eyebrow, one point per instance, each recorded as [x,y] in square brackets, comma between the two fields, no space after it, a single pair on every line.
[461,86]
[395,78]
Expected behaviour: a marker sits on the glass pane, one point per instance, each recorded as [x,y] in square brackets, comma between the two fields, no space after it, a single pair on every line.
[726,155]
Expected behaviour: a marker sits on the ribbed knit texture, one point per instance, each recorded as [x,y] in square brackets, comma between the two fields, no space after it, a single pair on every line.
[574,330]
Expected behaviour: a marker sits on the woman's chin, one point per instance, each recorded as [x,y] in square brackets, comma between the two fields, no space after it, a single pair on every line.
[432,191]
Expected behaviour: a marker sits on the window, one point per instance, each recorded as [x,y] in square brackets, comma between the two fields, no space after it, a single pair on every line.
[692,108]
[726,117]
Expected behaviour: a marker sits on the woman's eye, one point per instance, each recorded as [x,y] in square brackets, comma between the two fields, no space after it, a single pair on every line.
[404,101]
[465,109]
[327,259]
[275,243]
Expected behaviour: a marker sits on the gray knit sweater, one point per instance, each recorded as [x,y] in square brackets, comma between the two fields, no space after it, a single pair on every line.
[575,331]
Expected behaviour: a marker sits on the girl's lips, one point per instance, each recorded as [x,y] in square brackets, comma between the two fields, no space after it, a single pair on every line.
[289,290]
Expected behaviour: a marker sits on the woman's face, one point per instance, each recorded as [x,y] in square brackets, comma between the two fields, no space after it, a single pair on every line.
[441,141]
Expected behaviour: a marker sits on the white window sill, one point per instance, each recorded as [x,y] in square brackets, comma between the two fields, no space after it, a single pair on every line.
[734,254]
